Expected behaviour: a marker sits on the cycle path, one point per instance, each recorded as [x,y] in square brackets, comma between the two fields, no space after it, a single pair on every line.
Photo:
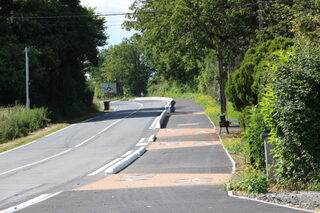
[184,170]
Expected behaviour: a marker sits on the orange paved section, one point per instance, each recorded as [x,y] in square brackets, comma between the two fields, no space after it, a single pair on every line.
[185,132]
[186,113]
[125,181]
[175,145]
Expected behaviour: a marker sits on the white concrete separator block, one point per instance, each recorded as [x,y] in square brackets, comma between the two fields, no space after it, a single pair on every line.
[122,164]
[141,150]
[151,138]
[161,119]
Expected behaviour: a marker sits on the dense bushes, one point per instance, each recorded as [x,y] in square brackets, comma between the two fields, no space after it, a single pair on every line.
[19,121]
[297,115]
[246,83]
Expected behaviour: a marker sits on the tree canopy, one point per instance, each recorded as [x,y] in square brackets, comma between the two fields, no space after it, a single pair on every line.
[63,37]
[124,64]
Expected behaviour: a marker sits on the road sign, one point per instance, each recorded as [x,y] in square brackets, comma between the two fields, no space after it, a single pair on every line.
[108,88]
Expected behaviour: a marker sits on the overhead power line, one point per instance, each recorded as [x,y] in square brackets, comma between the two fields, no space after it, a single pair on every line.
[67,17]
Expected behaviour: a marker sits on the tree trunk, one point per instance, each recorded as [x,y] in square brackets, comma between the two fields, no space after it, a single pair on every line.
[222,80]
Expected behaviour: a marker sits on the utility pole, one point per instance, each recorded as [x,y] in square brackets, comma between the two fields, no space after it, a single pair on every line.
[26,51]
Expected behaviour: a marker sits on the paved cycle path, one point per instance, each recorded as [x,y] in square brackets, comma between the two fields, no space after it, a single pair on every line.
[183,171]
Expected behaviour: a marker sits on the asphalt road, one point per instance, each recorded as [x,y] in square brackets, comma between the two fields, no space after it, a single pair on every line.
[64,159]
[183,171]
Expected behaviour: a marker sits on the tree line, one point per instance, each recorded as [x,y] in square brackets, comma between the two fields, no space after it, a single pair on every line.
[63,37]
[262,56]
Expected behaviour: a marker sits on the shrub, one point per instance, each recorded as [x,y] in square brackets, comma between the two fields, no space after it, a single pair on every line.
[19,121]
[252,137]
[251,181]
[246,83]
[297,112]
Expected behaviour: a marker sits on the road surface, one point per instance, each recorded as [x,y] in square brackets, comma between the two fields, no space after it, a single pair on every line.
[61,160]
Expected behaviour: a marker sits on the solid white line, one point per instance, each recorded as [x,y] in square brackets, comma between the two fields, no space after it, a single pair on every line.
[230,194]
[35,163]
[59,130]
[154,123]
[105,167]
[226,151]
[126,154]
[86,141]
[11,150]
[28,203]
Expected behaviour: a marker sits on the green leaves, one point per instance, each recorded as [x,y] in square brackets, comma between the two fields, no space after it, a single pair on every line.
[297,113]
[62,46]
[124,64]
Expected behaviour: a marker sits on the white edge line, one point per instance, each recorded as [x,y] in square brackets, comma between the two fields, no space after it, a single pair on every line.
[11,150]
[105,167]
[35,163]
[60,130]
[152,126]
[230,193]
[228,154]
[126,154]
[31,202]
[85,141]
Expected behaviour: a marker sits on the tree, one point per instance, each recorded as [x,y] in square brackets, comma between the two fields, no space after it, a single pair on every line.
[63,37]
[182,32]
[125,65]
[246,83]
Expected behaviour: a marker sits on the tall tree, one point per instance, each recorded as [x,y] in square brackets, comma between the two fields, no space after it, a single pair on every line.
[63,37]
[124,64]
[184,31]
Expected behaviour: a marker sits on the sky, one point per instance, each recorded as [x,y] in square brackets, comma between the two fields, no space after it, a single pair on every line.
[114,31]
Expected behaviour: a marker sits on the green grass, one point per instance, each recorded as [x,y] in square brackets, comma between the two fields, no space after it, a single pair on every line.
[14,113]
[18,121]
[22,141]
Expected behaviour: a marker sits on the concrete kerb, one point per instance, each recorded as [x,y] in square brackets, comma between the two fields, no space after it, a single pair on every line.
[167,109]
[123,163]
[231,194]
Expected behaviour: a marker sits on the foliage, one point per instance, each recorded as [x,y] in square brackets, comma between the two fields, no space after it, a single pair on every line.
[252,137]
[62,47]
[246,83]
[212,109]
[180,34]
[124,64]
[208,76]
[171,89]
[297,112]
[237,146]
[19,121]
[251,181]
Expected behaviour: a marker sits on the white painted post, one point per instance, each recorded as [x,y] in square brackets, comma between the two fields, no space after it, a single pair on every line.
[26,51]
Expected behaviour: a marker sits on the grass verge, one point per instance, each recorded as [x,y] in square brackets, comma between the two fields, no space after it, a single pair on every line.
[44,132]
